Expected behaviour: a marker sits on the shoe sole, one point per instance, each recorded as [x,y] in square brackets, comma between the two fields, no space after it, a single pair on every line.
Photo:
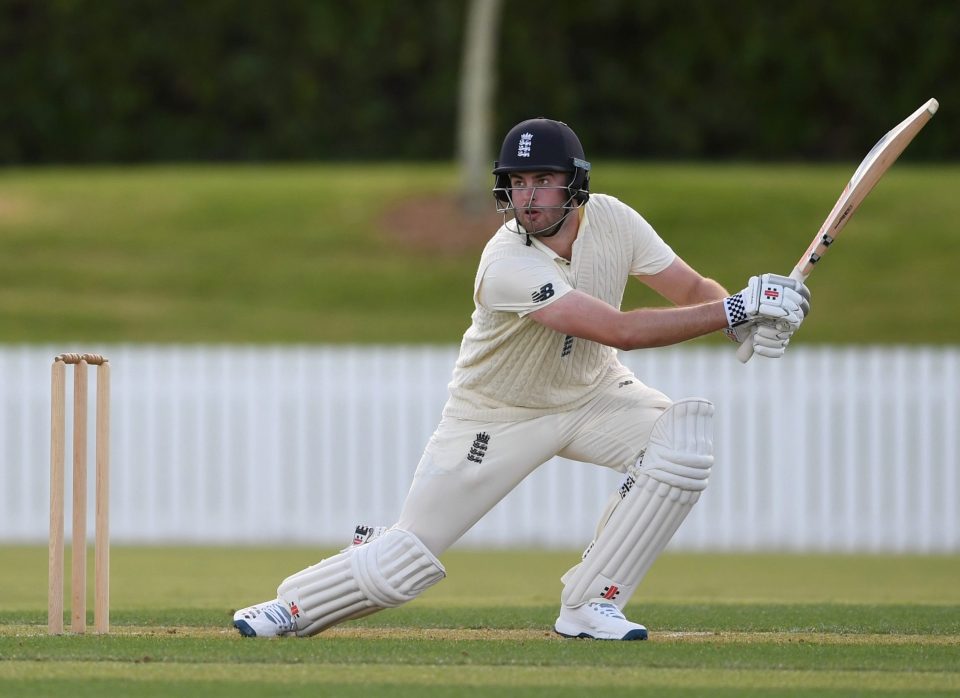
[635,634]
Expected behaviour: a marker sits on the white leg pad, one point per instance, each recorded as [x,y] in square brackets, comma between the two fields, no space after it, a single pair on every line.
[655,497]
[390,570]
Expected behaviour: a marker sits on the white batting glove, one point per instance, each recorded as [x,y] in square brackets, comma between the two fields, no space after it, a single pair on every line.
[739,333]
[769,341]
[769,299]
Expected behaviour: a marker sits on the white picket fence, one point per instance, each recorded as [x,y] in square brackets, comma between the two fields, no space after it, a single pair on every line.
[831,449]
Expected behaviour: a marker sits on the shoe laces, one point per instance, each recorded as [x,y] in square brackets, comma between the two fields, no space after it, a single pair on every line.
[608,609]
[278,615]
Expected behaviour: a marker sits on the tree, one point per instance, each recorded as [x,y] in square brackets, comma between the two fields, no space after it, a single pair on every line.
[477,87]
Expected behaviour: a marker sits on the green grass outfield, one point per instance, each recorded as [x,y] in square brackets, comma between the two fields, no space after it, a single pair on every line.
[318,253]
[721,625]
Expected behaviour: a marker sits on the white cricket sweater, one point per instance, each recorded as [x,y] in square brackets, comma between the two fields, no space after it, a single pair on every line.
[512,368]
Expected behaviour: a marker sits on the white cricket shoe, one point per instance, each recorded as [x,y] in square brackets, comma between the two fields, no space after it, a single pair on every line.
[598,619]
[267,619]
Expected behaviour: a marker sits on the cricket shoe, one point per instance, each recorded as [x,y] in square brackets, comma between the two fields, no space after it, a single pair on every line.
[598,619]
[267,619]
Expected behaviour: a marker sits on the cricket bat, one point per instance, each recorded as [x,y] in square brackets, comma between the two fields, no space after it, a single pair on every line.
[871,169]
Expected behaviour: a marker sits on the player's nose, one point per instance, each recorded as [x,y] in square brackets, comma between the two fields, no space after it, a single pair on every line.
[524,196]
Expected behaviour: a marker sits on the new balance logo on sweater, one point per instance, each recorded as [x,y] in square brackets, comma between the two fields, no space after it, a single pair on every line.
[543,293]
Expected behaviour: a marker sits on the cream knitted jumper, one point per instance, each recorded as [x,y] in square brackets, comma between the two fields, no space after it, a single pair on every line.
[512,368]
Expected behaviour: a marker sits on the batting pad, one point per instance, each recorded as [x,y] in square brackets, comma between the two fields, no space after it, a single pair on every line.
[655,497]
[386,572]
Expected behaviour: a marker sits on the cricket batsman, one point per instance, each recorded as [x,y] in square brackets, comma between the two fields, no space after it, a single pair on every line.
[538,376]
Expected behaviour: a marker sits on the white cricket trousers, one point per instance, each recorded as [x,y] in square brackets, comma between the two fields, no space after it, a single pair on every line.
[468,466]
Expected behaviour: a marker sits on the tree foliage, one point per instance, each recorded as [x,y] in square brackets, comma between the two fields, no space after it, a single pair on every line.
[155,80]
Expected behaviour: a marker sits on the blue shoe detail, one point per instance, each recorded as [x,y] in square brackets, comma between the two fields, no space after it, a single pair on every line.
[635,635]
[244,628]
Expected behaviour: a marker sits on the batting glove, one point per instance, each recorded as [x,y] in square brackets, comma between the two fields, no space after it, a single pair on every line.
[769,299]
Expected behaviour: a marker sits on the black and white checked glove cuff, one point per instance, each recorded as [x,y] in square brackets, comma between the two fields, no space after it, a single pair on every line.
[736,309]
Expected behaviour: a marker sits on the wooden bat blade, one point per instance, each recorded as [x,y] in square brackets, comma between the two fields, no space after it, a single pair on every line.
[871,169]
[868,173]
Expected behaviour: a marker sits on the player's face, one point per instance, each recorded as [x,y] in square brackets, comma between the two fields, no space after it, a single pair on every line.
[539,198]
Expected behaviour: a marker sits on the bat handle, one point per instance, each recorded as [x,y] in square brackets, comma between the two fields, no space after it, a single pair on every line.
[745,350]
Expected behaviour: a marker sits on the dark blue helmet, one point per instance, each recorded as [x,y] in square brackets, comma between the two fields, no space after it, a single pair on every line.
[542,145]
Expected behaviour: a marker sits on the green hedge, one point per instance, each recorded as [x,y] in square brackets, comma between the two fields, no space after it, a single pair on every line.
[155,80]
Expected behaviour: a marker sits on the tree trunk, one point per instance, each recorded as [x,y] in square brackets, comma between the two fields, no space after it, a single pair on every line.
[477,79]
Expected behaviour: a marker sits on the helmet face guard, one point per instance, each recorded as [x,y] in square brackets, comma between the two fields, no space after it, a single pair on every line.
[505,202]
[541,145]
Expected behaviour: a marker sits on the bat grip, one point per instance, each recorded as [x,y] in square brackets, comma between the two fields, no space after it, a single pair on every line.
[745,350]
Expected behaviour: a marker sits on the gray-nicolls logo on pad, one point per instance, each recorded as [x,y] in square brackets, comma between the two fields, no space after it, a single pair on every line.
[526,142]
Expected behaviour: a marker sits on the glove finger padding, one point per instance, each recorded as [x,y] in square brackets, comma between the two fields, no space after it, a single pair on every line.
[798,286]
[786,308]
[802,290]
[770,341]
[771,300]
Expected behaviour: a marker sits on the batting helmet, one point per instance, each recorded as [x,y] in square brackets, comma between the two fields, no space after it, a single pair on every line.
[542,145]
